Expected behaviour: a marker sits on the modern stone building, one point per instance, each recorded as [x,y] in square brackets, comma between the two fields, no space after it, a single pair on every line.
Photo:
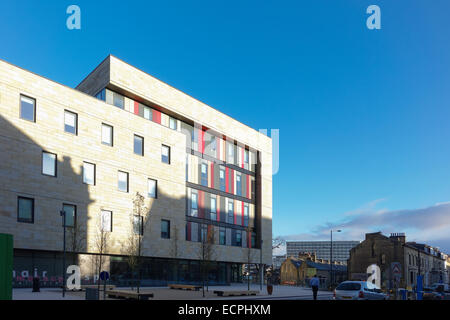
[90,151]
[413,259]
[341,249]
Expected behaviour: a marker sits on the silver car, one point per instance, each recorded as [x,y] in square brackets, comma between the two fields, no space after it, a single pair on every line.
[358,290]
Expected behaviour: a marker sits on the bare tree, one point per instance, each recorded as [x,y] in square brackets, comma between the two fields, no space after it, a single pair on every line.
[207,254]
[101,244]
[249,254]
[76,240]
[133,245]
[278,242]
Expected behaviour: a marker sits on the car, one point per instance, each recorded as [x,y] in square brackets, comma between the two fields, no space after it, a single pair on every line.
[358,290]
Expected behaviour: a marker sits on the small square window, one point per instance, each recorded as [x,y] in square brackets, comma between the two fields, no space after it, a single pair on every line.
[49,164]
[138,145]
[107,135]
[70,122]
[89,173]
[165,154]
[27,108]
[123,181]
[152,188]
[25,209]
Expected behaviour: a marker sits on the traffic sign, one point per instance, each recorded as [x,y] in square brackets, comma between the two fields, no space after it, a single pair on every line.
[104,275]
[396,269]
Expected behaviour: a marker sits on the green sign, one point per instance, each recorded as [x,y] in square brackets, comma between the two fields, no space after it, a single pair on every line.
[6,266]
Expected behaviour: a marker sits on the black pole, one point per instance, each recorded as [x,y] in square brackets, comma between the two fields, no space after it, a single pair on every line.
[260,266]
[63,214]
[331,258]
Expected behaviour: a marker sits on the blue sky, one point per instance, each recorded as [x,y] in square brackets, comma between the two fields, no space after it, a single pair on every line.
[363,114]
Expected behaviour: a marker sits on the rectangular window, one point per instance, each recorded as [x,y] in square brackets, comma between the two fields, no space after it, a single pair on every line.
[213,214]
[238,184]
[246,160]
[25,210]
[107,134]
[173,123]
[230,211]
[194,204]
[27,108]
[49,164]
[152,188]
[253,240]
[71,214]
[106,220]
[138,145]
[222,236]
[230,153]
[89,173]
[123,181]
[222,178]
[204,174]
[204,233]
[138,225]
[148,114]
[101,95]
[238,241]
[165,229]
[246,215]
[165,154]
[118,100]
[70,122]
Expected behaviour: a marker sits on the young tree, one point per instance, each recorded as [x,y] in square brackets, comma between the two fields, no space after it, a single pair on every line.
[76,240]
[207,253]
[101,244]
[249,254]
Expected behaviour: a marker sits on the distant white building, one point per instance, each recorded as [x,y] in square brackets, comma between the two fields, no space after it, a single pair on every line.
[341,249]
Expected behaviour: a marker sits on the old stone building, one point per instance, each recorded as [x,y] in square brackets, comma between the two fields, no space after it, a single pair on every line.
[299,270]
[389,252]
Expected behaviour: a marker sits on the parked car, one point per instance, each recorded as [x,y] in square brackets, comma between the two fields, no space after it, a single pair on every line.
[359,290]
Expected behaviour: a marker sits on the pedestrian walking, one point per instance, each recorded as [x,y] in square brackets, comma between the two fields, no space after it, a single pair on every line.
[314,283]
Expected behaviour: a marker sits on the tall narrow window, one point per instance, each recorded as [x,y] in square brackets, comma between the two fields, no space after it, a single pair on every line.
[152,188]
[106,220]
[222,236]
[70,122]
[194,204]
[165,229]
[213,214]
[204,174]
[230,211]
[222,178]
[27,108]
[148,114]
[165,154]
[123,181]
[101,95]
[238,241]
[246,160]
[49,164]
[138,145]
[107,135]
[173,123]
[118,100]
[204,233]
[25,210]
[253,240]
[246,214]
[138,225]
[71,214]
[238,184]
[89,173]
[230,153]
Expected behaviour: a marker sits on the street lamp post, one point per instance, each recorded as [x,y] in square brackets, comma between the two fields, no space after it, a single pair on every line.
[331,255]
[260,266]
[63,214]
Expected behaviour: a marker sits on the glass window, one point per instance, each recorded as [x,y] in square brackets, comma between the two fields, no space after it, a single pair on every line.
[123,181]
[238,184]
[138,225]
[222,236]
[173,123]
[238,238]
[106,220]
[89,173]
[148,114]
[107,134]
[27,108]
[101,95]
[213,214]
[246,214]
[246,159]
[253,240]
[138,145]
[25,209]
[230,153]
[230,211]
[71,212]
[152,185]
[165,229]
[204,233]
[70,122]
[204,174]
[194,204]
[165,154]
[118,100]
[49,164]
[222,178]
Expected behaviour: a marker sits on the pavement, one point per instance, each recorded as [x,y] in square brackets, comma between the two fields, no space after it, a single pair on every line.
[164,293]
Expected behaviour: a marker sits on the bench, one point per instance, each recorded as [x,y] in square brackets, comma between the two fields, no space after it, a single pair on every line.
[128,294]
[228,293]
[184,287]
[94,286]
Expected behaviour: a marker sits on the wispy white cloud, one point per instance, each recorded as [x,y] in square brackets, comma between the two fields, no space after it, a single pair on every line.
[429,225]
